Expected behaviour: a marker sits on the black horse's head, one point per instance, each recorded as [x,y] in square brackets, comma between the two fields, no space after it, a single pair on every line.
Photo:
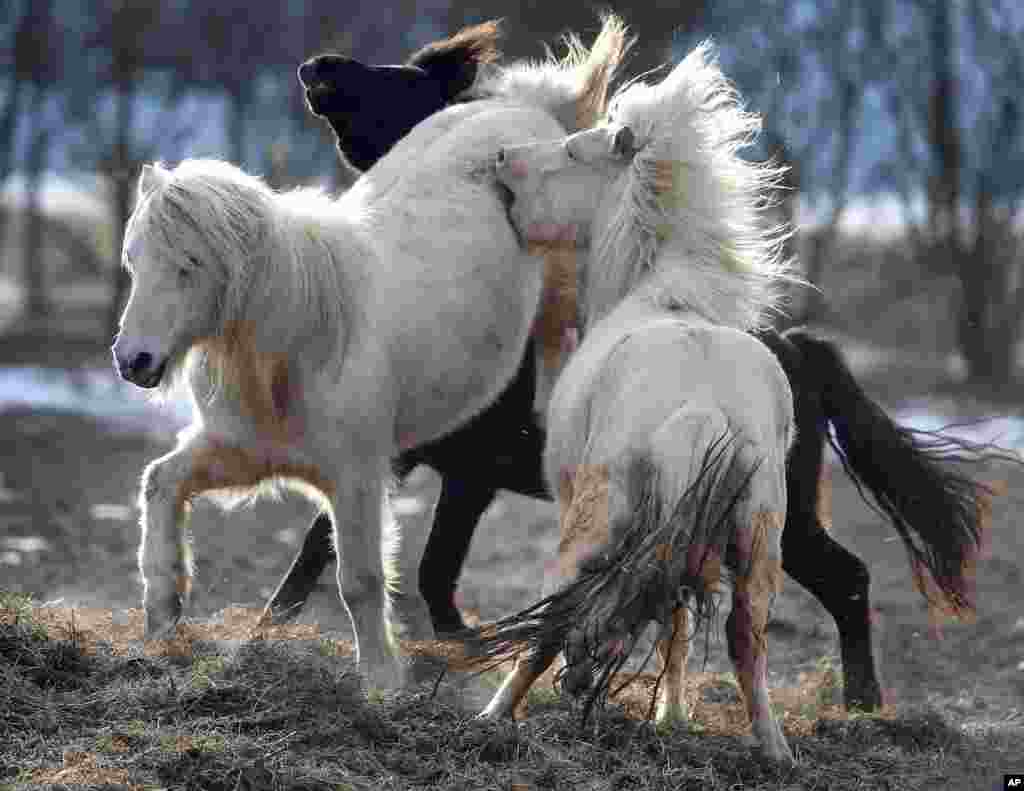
[370,108]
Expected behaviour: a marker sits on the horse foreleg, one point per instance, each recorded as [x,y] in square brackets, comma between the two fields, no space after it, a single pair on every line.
[164,554]
[758,544]
[169,484]
[301,578]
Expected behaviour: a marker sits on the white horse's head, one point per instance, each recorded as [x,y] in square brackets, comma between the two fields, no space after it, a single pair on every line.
[659,187]
[558,185]
[189,228]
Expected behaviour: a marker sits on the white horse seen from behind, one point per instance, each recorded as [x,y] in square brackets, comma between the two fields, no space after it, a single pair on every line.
[669,426]
[319,337]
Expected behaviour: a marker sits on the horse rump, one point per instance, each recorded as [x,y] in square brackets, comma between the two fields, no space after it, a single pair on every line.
[668,554]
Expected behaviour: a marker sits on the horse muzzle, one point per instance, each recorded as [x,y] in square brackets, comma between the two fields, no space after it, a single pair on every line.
[141,369]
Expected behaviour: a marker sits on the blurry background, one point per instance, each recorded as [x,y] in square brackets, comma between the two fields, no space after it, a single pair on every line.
[901,121]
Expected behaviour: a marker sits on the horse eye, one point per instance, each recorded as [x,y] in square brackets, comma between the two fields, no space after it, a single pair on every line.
[569,153]
[185,273]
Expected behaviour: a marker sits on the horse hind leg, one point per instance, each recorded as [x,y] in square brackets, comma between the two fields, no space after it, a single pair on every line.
[829,571]
[757,539]
[673,649]
[515,686]
[355,496]
[460,506]
[841,582]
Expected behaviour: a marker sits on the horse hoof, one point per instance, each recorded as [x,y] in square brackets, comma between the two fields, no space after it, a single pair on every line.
[384,677]
[449,624]
[781,755]
[672,716]
[771,745]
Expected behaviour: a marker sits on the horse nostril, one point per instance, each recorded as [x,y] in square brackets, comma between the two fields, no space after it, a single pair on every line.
[501,157]
[142,362]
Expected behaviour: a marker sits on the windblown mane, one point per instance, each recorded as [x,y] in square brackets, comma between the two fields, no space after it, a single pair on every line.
[478,42]
[270,256]
[574,88]
[689,207]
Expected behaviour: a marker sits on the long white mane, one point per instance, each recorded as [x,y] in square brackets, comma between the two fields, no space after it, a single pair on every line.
[689,207]
[572,88]
[270,257]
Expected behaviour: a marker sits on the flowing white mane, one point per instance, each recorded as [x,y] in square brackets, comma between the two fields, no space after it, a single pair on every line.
[573,88]
[277,289]
[688,206]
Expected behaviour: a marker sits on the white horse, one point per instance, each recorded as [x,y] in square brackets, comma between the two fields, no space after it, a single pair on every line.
[320,337]
[669,426]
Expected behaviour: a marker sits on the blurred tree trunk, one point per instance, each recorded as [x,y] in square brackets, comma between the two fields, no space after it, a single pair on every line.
[12,98]
[973,244]
[944,139]
[823,246]
[38,303]
[16,83]
[36,67]
[120,169]
[238,103]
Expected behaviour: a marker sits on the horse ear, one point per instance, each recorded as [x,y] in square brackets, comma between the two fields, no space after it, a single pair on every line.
[454,62]
[152,176]
[624,143]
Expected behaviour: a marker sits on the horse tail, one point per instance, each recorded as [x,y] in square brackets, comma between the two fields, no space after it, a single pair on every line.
[939,513]
[674,540]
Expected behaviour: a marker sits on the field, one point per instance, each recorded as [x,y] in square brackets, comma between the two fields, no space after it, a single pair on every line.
[89,706]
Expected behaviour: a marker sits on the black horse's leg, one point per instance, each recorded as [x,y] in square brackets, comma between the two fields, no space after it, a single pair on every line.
[831,573]
[459,508]
[824,567]
[316,552]
[840,581]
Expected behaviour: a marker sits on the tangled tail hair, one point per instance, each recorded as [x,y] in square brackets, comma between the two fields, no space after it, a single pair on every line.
[638,579]
[913,478]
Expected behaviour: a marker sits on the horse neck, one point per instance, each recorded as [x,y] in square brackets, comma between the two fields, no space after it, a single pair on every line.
[618,256]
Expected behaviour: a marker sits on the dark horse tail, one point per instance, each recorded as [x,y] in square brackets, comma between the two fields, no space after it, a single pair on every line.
[912,476]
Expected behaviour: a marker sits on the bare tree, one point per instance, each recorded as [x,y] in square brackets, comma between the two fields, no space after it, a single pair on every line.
[134,49]
[39,59]
[17,55]
[235,40]
[965,163]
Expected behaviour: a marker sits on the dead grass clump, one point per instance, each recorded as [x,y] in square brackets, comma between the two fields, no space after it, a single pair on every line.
[291,714]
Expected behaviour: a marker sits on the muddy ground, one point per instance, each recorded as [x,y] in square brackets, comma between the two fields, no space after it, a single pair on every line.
[72,483]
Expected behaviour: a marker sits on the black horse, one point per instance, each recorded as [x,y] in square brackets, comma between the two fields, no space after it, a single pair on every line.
[911,475]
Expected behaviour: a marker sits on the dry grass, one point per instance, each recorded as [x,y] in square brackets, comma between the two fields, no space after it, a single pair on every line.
[79,709]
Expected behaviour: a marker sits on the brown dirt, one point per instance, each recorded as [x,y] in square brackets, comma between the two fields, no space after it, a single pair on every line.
[57,468]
